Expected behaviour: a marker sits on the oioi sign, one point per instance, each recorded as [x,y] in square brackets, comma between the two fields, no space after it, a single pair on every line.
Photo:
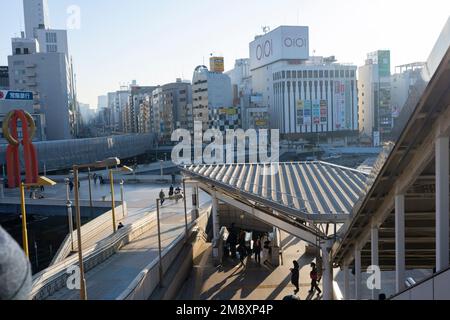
[283,43]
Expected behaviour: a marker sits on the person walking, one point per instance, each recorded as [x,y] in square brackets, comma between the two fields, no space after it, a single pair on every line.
[71,185]
[314,275]
[95,178]
[295,276]
[162,196]
[171,191]
[257,250]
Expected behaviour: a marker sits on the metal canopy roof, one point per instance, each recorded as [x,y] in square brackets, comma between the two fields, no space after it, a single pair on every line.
[313,191]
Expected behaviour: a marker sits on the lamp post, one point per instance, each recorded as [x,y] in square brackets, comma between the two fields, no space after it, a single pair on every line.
[122,198]
[113,205]
[101,164]
[42,181]
[158,201]
[185,209]
[69,212]
[161,165]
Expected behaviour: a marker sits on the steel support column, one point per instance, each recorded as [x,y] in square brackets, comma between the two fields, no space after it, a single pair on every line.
[327,278]
[374,255]
[442,203]
[357,273]
[400,242]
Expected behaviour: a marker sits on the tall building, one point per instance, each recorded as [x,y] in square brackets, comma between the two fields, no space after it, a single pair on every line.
[139,110]
[374,89]
[403,81]
[212,100]
[172,109]
[40,63]
[304,95]
[4,77]
[36,16]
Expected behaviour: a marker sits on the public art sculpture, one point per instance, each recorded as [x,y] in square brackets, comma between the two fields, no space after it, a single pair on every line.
[11,134]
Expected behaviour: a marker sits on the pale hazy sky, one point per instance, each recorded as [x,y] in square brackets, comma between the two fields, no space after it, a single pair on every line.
[155,42]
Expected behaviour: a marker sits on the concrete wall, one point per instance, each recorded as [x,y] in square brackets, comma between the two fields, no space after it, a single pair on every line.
[436,288]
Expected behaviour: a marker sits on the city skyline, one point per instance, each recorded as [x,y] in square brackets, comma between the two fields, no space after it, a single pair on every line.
[149,57]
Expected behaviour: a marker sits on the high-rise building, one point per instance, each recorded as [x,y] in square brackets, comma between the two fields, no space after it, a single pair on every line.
[139,110]
[212,100]
[4,77]
[36,16]
[172,109]
[374,89]
[403,81]
[305,95]
[40,63]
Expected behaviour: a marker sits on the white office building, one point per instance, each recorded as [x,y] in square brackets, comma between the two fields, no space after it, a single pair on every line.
[40,63]
[304,94]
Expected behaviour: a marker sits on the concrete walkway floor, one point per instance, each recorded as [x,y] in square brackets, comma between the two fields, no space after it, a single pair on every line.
[252,282]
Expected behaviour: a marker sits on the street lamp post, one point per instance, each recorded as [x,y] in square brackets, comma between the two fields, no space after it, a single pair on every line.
[24,220]
[113,205]
[161,165]
[90,189]
[185,209]
[42,181]
[83,292]
[69,212]
[122,198]
[158,201]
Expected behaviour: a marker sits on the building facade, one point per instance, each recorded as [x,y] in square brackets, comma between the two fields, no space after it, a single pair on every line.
[374,89]
[304,95]
[212,100]
[4,77]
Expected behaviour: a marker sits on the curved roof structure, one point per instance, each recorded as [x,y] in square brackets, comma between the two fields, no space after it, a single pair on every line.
[314,191]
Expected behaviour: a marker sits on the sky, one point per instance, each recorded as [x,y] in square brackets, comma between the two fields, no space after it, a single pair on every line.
[155,42]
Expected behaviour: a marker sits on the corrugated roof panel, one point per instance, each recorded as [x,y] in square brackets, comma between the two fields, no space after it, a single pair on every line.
[310,187]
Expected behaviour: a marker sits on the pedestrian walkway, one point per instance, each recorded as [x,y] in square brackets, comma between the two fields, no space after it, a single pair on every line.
[252,282]
[109,279]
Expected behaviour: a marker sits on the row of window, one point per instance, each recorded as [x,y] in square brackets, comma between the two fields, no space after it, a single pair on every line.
[306,74]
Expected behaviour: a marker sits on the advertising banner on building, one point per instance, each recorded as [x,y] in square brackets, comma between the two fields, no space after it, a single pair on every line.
[307,113]
[316,111]
[323,112]
[339,105]
[16,95]
[300,111]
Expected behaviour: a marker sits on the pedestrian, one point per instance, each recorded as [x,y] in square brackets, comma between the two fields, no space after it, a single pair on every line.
[314,275]
[171,191]
[266,251]
[242,252]
[257,249]
[120,226]
[79,185]
[162,196]
[295,276]
[232,240]
[95,178]
[42,188]
[71,185]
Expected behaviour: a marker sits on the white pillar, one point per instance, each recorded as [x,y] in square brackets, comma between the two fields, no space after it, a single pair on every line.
[374,255]
[442,203]
[400,242]
[215,216]
[357,273]
[346,272]
[327,277]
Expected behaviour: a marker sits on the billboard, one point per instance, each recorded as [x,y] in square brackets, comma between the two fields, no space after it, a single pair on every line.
[16,95]
[283,43]
[300,112]
[307,114]
[316,112]
[217,64]
[323,112]
[339,105]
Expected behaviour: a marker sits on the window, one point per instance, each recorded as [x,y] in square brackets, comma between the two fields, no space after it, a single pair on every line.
[310,74]
[320,74]
[18,51]
[288,74]
[299,74]
[342,74]
[26,51]
[52,48]
[50,37]
[326,73]
[294,74]
[316,74]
